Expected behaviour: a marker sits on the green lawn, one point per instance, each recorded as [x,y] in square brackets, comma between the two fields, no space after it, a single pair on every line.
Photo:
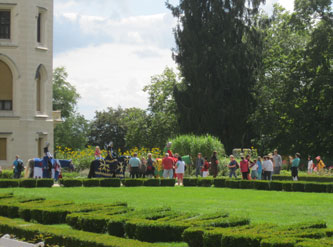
[260,206]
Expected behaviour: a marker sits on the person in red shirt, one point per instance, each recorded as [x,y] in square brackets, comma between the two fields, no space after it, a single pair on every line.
[167,164]
[205,168]
[244,167]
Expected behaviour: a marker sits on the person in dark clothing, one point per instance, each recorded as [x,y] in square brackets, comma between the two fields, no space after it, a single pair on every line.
[214,162]
[150,167]
[199,163]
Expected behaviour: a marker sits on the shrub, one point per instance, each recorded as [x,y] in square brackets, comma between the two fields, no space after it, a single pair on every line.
[71,182]
[240,239]
[219,182]
[205,182]
[9,183]
[28,183]
[132,182]
[110,182]
[315,187]
[7,174]
[276,185]
[152,182]
[46,183]
[90,182]
[190,182]
[116,226]
[278,242]
[194,236]
[168,182]
[229,183]
[298,186]
[261,185]
[246,184]
[192,145]
[287,186]
[213,238]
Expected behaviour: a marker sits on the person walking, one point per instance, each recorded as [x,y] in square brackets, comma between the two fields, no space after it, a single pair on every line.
[205,169]
[277,162]
[134,164]
[320,164]
[254,170]
[268,168]
[150,167]
[18,167]
[310,165]
[244,167]
[259,163]
[180,169]
[214,164]
[294,166]
[233,166]
[199,163]
[167,164]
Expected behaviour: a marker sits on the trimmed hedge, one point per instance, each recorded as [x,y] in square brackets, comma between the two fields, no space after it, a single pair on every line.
[276,185]
[129,182]
[318,179]
[205,182]
[315,187]
[278,242]
[28,183]
[261,185]
[110,182]
[9,183]
[168,182]
[71,182]
[229,183]
[239,239]
[246,184]
[298,186]
[90,182]
[287,186]
[45,183]
[152,182]
[194,236]
[190,182]
[219,182]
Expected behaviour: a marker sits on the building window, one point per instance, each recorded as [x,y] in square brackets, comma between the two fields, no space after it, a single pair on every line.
[40,147]
[39,28]
[3,148]
[4,24]
[6,88]
[38,94]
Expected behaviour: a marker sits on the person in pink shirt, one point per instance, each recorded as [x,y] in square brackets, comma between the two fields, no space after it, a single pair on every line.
[244,167]
[167,164]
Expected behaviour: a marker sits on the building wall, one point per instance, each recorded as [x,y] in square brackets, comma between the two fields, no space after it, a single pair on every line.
[23,126]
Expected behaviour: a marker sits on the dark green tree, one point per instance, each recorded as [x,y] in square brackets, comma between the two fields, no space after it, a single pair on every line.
[218,50]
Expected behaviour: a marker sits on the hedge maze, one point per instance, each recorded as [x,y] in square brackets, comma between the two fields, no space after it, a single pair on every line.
[117,225]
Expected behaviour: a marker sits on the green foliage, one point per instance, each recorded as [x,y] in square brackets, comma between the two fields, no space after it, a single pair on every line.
[110,182]
[261,185]
[246,184]
[8,183]
[219,182]
[278,242]
[190,182]
[307,178]
[6,174]
[192,145]
[276,185]
[240,240]
[91,182]
[315,187]
[152,182]
[205,182]
[298,186]
[71,182]
[168,182]
[28,183]
[47,183]
[132,182]
[287,186]
[194,236]
[229,183]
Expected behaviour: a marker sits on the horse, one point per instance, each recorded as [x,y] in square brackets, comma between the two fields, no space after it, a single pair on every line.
[110,167]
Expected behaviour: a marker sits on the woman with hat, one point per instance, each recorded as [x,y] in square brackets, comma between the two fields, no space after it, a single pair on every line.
[320,164]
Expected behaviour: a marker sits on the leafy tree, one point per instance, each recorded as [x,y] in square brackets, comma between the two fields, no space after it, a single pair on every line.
[65,96]
[72,133]
[108,126]
[218,51]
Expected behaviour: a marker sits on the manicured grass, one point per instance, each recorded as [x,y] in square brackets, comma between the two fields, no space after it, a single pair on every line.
[260,206]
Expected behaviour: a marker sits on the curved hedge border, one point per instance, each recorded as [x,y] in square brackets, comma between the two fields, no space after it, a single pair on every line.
[26,183]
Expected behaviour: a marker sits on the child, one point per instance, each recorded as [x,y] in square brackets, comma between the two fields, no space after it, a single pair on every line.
[310,165]
[205,169]
[180,169]
[98,154]
[254,171]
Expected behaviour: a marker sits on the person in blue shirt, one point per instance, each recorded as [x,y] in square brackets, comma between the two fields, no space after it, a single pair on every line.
[18,167]
[259,163]
[294,166]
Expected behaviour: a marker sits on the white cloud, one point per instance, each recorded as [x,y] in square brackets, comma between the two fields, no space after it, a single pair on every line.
[112,74]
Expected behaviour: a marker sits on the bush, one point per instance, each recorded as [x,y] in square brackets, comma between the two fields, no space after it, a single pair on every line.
[194,236]
[116,226]
[192,145]
[110,182]
[276,185]
[205,182]
[46,183]
[90,182]
[71,182]
[246,184]
[213,238]
[278,242]
[7,174]
[261,185]
[28,183]
[9,183]
[298,186]
[239,239]
[129,182]
[229,183]
[315,187]
[168,182]
[187,182]
[219,182]
[152,182]
[287,186]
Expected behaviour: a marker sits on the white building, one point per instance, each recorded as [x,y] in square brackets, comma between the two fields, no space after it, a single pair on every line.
[26,54]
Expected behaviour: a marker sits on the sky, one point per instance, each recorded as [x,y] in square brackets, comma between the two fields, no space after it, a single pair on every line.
[111,48]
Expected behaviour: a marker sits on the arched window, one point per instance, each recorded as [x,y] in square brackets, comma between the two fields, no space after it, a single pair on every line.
[38,93]
[6,87]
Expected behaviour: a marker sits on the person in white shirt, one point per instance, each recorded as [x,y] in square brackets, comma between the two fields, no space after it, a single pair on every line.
[180,169]
[254,170]
[310,165]
[268,168]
